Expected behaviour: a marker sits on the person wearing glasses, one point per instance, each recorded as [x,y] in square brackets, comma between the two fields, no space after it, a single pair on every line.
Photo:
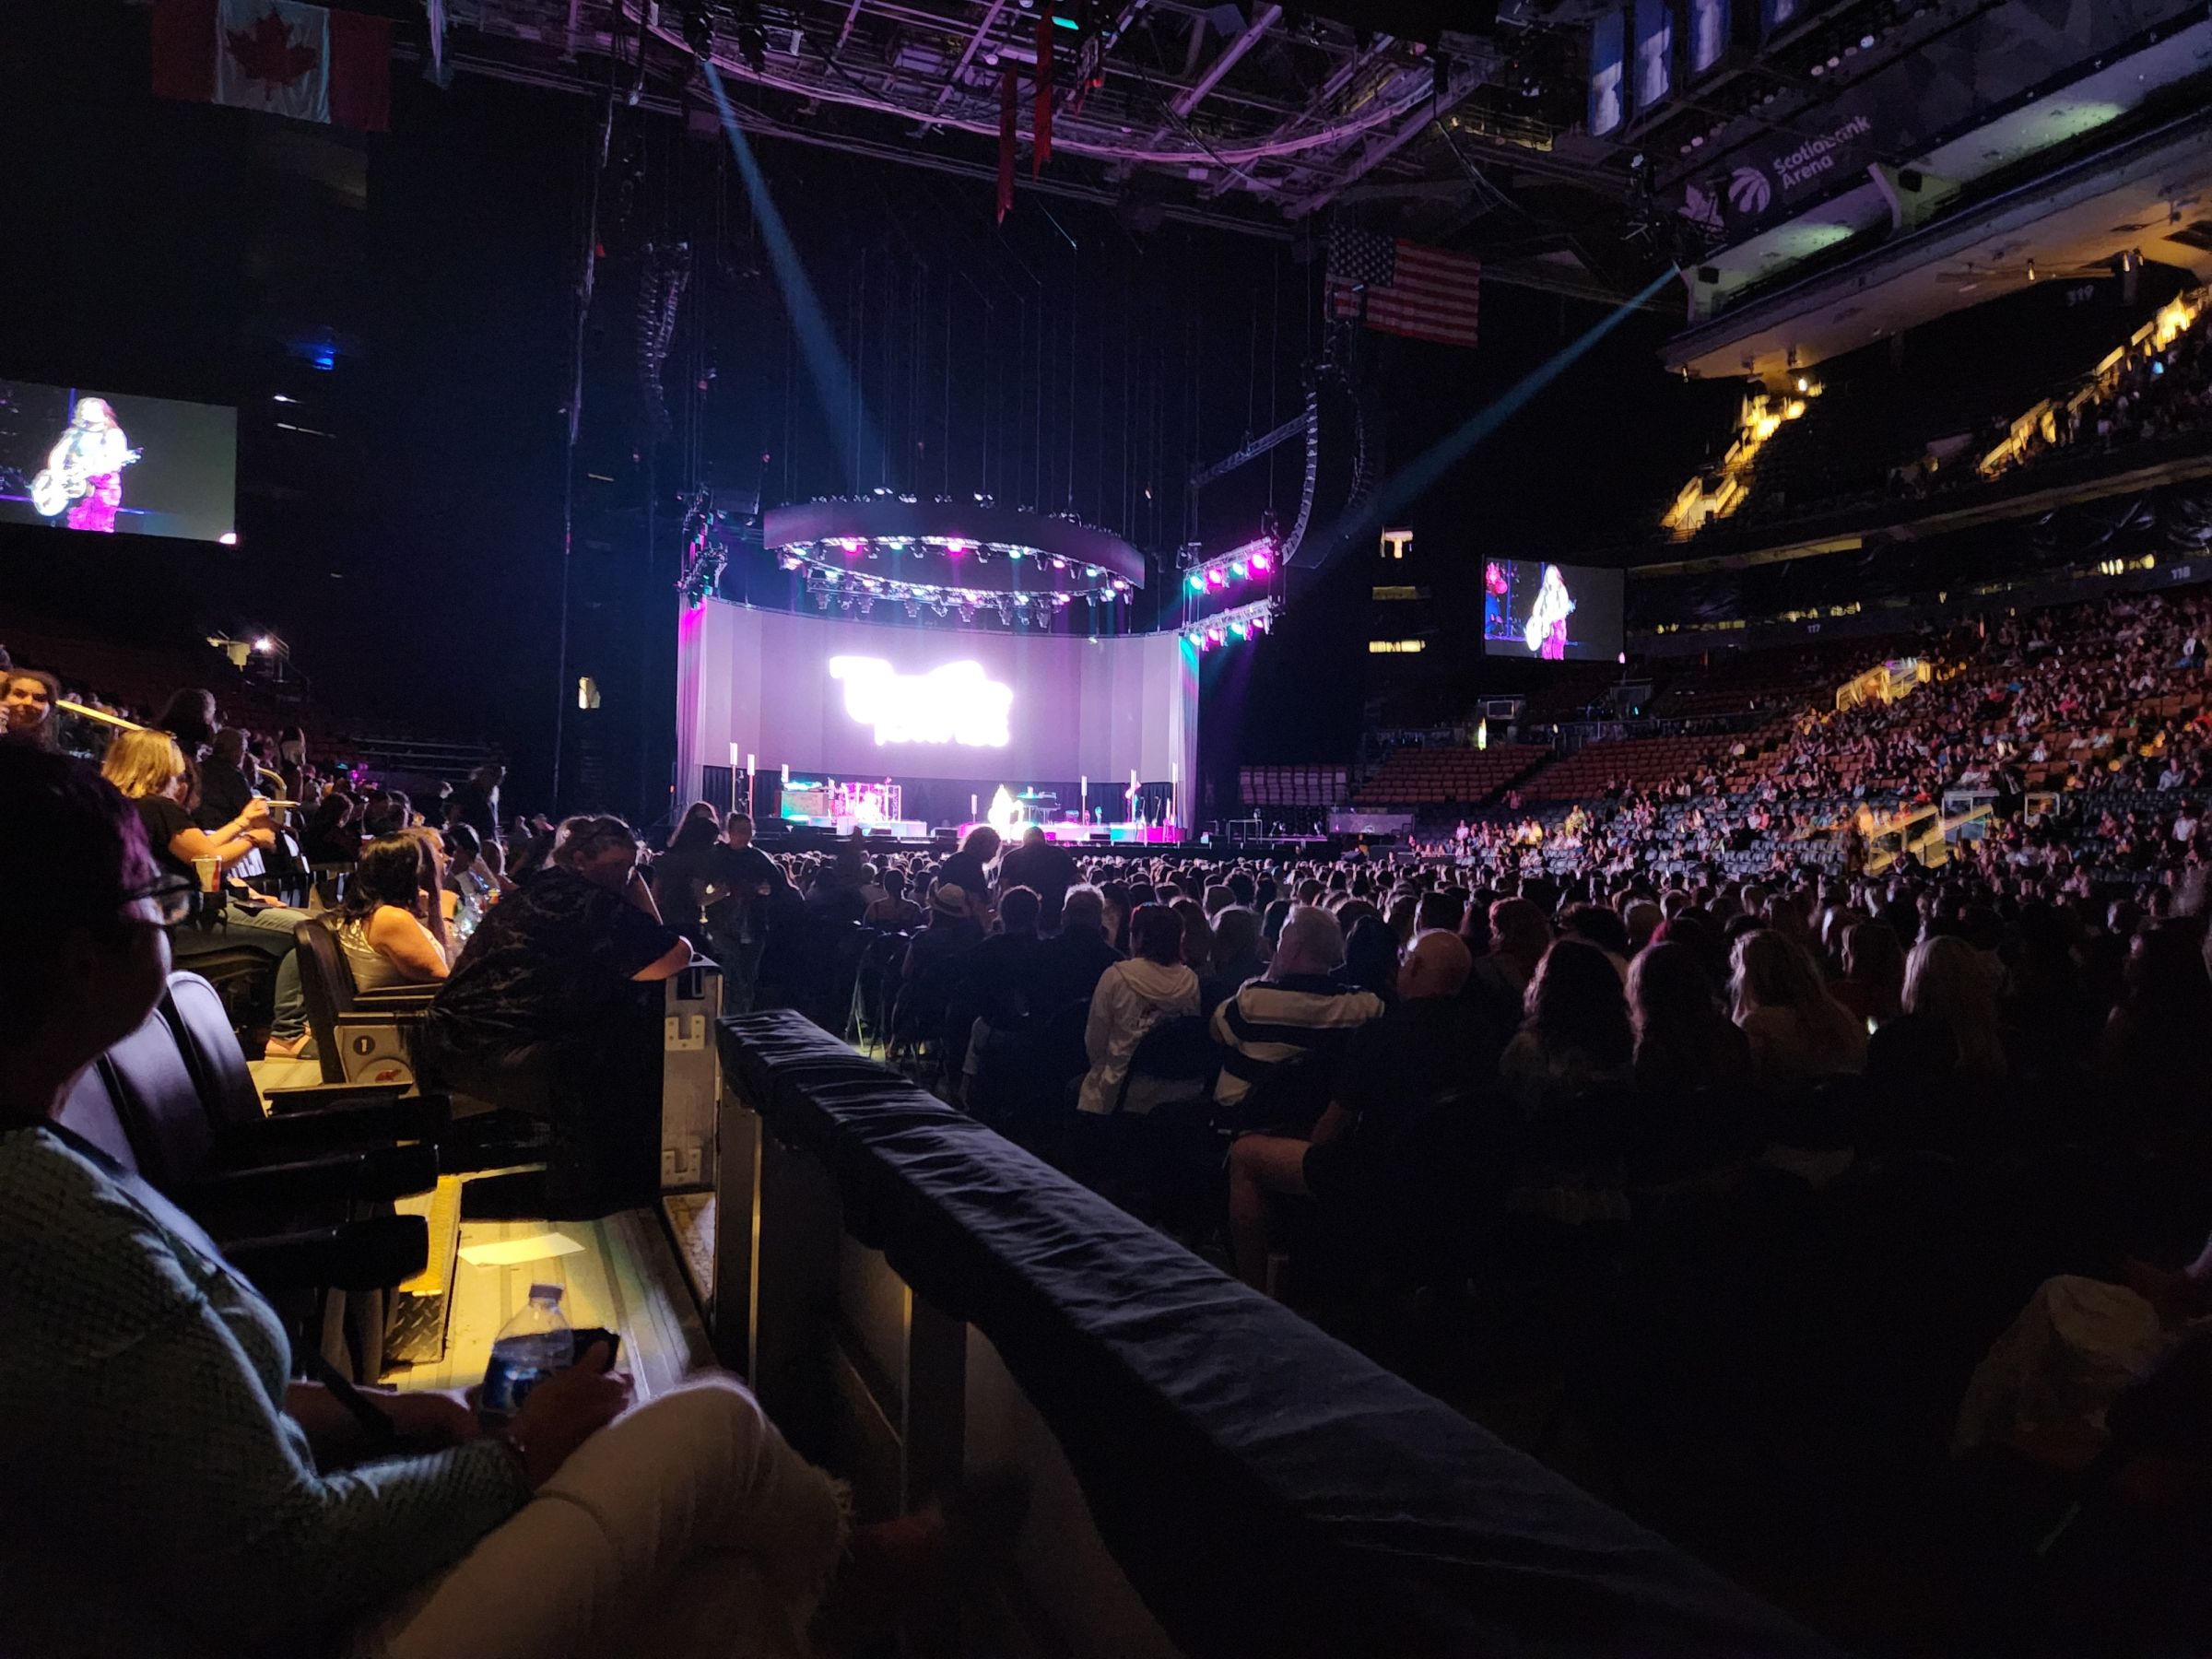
[148,768]
[178,1493]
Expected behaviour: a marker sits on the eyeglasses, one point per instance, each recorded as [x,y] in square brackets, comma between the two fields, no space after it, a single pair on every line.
[172,897]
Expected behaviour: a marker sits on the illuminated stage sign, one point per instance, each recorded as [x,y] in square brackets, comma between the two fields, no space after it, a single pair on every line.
[955,703]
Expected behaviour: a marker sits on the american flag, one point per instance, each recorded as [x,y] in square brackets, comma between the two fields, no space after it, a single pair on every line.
[1422,293]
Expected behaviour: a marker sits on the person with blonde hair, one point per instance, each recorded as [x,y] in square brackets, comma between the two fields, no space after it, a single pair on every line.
[148,769]
[1798,1032]
[1951,990]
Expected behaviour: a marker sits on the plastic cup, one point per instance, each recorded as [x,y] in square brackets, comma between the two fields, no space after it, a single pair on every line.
[210,874]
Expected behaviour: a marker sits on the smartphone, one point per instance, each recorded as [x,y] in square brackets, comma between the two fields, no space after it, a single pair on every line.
[587,1335]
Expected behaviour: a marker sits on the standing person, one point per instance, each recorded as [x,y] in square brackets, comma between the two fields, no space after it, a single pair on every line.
[1045,868]
[479,800]
[682,874]
[743,888]
[965,870]
[28,710]
[85,467]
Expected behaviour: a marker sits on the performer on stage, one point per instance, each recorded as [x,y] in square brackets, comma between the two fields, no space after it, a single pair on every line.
[1547,631]
[87,463]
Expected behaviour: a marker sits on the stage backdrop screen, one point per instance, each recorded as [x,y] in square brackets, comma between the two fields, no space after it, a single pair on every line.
[1564,613]
[87,458]
[861,700]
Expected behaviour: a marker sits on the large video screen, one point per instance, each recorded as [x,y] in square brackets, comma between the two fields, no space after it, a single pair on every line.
[861,700]
[110,463]
[1560,613]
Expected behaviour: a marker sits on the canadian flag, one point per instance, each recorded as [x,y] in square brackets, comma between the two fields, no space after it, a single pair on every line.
[277,56]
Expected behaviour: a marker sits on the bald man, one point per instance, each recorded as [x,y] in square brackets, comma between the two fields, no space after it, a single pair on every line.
[1433,1041]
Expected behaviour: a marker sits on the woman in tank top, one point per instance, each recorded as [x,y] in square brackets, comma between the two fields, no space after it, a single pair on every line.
[380,927]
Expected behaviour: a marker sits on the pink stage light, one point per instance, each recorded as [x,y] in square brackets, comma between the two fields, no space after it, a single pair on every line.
[1214,578]
[1213,636]
[1262,563]
[956,547]
[851,544]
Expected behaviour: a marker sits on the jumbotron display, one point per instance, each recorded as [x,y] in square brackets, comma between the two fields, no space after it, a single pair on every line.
[1558,613]
[113,464]
[849,699]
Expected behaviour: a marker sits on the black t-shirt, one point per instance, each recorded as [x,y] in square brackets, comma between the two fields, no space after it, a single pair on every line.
[1000,972]
[737,873]
[548,963]
[164,821]
[1045,869]
[1068,968]
[1393,1066]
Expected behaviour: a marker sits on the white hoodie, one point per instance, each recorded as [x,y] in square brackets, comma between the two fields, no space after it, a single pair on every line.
[1132,997]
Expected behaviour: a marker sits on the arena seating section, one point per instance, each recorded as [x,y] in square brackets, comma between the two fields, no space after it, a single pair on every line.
[1424,776]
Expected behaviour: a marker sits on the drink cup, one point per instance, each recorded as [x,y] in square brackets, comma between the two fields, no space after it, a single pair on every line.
[209,872]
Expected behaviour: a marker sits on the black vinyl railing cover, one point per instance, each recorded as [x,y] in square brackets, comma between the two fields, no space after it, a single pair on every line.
[1266,1489]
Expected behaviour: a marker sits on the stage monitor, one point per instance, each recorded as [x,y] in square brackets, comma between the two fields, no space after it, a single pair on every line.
[92,459]
[1560,613]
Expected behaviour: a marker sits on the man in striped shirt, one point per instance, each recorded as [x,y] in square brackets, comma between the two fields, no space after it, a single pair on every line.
[1296,1009]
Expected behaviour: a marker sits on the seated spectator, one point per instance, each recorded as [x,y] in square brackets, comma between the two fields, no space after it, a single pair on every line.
[1519,938]
[2155,1051]
[1948,1027]
[472,879]
[1370,959]
[1045,868]
[1070,964]
[1798,1032]
[1684,1040]
[1298,1008]
[1197,935]
[1132,997]
[894,913]
[191,1498]
[332,837]
[935,962]
[1576,1035]
[227,779]
[1429,1042]
[1237,953]
[1873,985]
[30,710]
[1001,972]
[189,717]
[541,1015]
[1439,912]
[380,927]
[1594,924]
[148,768]
[387,812]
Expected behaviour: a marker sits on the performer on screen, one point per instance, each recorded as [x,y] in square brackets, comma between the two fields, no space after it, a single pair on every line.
[1547,631]
[1497,616]
[87,465]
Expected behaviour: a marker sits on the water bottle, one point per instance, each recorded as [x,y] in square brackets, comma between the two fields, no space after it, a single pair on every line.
[530,1347]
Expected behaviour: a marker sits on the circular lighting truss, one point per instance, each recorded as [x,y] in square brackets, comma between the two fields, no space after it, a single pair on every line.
[948,559]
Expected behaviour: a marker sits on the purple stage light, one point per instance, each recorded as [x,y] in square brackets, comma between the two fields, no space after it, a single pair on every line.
[1262,563]
[1215,579]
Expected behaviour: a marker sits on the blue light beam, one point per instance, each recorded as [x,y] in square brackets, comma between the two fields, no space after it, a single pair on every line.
[1405,485]
[834,388]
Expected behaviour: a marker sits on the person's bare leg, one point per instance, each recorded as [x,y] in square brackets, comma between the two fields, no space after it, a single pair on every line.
[1259,1165]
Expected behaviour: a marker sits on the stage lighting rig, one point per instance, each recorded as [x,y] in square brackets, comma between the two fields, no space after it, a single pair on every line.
[699,31]
[752,37]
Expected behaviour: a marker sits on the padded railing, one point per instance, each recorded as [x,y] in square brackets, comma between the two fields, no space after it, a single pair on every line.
[899,1276]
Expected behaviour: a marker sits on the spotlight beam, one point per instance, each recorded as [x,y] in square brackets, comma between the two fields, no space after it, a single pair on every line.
[834,389]
[1402,488]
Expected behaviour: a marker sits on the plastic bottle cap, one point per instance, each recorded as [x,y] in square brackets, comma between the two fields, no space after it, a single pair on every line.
[545,1293]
